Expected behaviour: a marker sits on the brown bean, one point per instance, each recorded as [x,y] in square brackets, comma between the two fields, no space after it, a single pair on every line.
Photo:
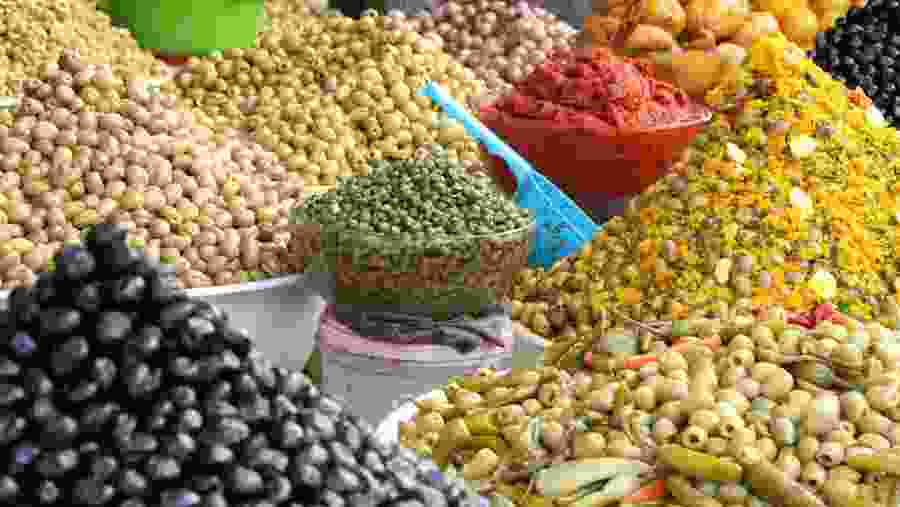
[160,172]
[91,201]
[55,216]
[160,228]
[21,274]
[10,161]
[207,252]
[250,254]
[57,232]
[8,262]
[173,192]
[181,265]
[44,130]
[151,251]
[217,264]
[270,261]
[179,242]
[106,207]
[110,122]
[196,280]
[34,222]
[137,177]
[205,237]
[230,246]
[36,259]
[18,211]
[88,137]
[192,255]
[244,217]
[140,233]
[200,265]
[154,199]
[115,189]
[223,219]
[39,236]
[226,278]
[142,217]
[114,171]
[87,120]
[189,185]
[68,137]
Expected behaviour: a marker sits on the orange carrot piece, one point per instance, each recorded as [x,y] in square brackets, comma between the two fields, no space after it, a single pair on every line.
[656,490]
[713,342]
[636,362]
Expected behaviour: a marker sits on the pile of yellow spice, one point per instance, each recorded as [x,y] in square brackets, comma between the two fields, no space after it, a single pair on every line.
[788,199]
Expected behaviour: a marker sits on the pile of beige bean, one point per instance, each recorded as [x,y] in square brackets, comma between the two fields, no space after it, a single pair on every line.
[732,413]
[329,93]
[500,40]
[36,31]
[207,202]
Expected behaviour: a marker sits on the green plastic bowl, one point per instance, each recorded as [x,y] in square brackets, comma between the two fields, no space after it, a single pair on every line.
[190,27]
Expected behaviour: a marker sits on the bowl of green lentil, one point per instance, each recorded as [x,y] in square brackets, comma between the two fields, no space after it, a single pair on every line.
[421,233]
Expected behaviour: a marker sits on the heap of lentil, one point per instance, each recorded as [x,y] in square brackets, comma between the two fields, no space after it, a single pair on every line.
[788,198]
[749,410]
[423,223]
[36,31]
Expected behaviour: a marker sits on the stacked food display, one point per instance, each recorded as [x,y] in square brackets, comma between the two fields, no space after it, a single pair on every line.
[728,338]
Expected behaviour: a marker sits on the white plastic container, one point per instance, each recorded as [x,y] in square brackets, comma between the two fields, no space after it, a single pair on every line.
[281,314]
[375,377]
[388,430]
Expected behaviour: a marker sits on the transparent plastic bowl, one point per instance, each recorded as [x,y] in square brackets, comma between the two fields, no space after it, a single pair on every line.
[586,162]
[442,276]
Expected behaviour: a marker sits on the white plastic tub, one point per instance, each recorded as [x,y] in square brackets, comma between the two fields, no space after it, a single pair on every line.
[281,314]
[374,377]
[388,430]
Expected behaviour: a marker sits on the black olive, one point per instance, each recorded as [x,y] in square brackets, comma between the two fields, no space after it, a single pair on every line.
[113,327]
[75,264]
[10,394]
[146,341]
[48,493]
[174,314]
[162,468]
[245,481]
[127,290]
[92,492]
[120,390]
[88,298]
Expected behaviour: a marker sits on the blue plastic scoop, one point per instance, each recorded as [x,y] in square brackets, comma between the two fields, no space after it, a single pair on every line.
[562,227]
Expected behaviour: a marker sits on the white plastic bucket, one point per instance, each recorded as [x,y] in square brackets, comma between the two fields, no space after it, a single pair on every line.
[281,314]
[388,430]
[375,377]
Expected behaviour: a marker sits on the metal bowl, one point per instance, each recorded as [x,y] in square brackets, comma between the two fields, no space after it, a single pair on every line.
[281,314]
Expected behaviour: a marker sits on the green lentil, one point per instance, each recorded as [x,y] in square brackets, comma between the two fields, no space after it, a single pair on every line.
[426,217]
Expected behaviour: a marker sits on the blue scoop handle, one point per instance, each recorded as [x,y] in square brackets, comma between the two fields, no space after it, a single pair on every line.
[520,167]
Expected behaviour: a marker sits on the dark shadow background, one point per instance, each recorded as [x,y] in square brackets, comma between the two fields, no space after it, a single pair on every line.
[571,11]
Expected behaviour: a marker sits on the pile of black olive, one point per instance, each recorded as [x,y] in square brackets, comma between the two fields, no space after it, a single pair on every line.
[863,49]
[116,389]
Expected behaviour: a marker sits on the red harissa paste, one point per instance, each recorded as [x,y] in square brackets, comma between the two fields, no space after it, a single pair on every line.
[598,90]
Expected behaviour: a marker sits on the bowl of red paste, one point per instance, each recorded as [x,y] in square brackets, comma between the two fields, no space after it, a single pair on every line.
[597,124]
